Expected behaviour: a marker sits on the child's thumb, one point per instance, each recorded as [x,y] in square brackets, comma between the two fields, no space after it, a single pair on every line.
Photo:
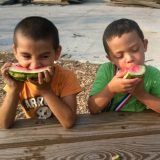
[121,74]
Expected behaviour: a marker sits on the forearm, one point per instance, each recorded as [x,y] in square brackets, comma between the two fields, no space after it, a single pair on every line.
[98,102]
[64,114]
[150,101]
[8,109]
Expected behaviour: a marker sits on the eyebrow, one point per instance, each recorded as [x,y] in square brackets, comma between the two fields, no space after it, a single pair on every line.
[134,44]
[25,53]
[47,52]
[129,47]
[117,53]
[44,53]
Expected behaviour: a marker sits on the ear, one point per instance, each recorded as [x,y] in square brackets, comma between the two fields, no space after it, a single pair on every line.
[145,44]
[57,53]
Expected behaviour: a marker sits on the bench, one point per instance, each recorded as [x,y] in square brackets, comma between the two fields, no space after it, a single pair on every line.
[94,137]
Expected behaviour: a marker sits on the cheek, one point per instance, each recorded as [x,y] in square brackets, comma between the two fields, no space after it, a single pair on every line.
[140,57]
[143,59]
[47,62]
[119,63]
[23,64]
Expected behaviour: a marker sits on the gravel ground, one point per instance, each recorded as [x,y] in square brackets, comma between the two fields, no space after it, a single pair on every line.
[85,73]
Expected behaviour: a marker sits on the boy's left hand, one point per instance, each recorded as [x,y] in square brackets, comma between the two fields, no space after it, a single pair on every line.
[44,80]
[139,89]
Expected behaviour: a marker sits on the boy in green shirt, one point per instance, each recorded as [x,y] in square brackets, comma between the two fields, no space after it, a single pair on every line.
[125,46]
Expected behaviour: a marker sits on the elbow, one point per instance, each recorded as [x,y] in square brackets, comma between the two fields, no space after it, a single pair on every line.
[5,123]
[92,111]
[5,126]
[157,110]
[69,123]
[92,107]
[68,126]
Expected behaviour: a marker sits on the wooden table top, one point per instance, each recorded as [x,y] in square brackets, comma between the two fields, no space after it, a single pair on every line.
[94,137]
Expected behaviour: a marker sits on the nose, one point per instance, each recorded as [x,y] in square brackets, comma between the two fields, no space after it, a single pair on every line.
[129,58]
[34,64]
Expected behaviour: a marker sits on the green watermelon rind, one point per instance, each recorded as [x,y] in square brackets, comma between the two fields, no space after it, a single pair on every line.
[139,74]
[22,76]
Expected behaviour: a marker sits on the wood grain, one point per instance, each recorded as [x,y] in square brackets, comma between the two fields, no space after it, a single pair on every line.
[129,135]
[147,3]
[50,1]
[139,148]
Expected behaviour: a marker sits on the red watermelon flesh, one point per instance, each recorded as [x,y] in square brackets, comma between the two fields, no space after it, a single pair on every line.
[20,73]
[133,71]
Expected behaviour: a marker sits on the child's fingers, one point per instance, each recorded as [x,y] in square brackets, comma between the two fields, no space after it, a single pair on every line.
[32,81]
[43,77]
[4,72]
[51,71]
[131,82]
[6,65]
[47,76]
[40,78]
[128,89]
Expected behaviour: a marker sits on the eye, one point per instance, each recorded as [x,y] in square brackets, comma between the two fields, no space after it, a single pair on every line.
[44,56]
[118,56]
[134,49]
[26,56]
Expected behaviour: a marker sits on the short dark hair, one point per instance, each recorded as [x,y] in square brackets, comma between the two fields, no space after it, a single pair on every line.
[37,28]
[119,27]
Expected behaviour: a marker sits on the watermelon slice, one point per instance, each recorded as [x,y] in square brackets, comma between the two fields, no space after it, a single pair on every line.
[20,73]
[133,71]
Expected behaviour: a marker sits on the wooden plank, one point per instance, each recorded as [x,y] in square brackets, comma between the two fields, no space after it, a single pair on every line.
[140,147]
[50,1]
[87,119]
[147,3]
[108,125]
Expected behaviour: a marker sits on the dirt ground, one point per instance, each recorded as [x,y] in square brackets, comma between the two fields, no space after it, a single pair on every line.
[85,73]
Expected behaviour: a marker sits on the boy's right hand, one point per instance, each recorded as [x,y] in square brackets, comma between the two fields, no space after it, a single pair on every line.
[13,84]
[120,85]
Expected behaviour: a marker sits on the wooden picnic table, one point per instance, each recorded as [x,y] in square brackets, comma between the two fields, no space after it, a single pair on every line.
[134,136]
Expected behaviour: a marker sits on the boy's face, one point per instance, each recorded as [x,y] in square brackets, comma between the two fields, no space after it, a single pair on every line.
[35,54]
[127,50]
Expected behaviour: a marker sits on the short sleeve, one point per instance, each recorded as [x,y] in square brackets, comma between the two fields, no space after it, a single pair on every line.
[103,76]
[71,84]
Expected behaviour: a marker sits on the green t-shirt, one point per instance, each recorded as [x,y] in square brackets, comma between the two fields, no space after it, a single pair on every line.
[106,72]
